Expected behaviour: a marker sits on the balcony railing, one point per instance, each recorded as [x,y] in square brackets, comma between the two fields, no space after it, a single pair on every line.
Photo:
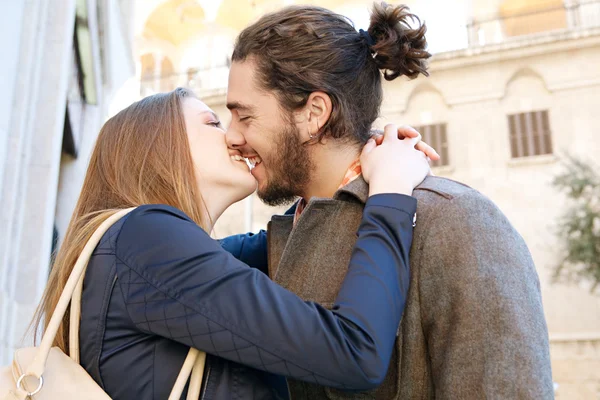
[204,82]
[209,81]
[571,15]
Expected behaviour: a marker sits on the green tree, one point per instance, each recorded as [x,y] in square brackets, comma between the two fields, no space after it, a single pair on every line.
[579,227]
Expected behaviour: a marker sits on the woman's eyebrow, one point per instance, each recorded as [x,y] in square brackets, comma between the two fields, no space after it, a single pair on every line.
[211,113]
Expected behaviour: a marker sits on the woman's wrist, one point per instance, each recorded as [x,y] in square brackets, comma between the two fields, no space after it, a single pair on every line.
[401,202]
[376,187]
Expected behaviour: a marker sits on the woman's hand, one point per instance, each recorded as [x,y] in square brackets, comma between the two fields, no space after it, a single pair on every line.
[409,132]
[394,166]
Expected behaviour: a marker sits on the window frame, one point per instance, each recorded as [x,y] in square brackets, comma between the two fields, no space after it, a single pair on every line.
[530,134]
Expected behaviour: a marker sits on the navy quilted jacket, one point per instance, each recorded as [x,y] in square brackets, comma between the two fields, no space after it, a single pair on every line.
[157,284]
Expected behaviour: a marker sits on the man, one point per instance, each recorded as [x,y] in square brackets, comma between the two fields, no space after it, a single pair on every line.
[304,89]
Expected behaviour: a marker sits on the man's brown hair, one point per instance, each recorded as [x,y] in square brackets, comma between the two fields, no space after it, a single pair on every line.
[303,49]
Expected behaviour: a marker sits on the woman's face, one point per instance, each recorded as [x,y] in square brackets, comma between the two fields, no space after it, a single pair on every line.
[216,166]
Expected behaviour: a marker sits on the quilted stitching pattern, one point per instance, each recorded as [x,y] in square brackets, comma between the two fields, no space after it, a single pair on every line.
[200,332]
[175,282]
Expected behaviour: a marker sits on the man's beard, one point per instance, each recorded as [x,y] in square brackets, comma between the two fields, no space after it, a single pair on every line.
[290,169]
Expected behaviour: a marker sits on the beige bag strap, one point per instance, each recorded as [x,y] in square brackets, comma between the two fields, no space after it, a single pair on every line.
[194,363]
[72,294]
[197,376]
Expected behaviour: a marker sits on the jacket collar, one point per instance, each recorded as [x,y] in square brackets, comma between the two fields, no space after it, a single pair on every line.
[358,189]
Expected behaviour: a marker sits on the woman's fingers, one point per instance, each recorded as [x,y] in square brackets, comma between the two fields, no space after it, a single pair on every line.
[428,150]
[378,139]
[406,131]
[414,141]
[390,132]
[371,144]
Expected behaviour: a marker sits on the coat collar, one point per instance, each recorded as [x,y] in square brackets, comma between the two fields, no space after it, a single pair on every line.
[359,188]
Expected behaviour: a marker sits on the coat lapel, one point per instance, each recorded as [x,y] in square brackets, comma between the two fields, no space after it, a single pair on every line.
[279,230]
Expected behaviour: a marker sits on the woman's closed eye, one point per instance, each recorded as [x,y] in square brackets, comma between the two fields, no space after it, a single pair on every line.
[216,124]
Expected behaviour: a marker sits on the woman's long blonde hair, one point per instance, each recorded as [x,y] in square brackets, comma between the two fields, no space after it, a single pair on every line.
[142,156]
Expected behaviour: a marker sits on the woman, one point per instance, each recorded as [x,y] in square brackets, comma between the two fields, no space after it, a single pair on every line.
[158,284]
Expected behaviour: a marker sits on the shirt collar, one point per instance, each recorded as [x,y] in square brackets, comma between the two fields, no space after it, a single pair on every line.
[353,172]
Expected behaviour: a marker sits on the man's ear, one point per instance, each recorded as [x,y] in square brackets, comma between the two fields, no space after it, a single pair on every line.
[318,111]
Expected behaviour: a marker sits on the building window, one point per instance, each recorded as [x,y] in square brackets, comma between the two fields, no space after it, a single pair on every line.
[435,136]
[68,144]
[148,77]
[530,134]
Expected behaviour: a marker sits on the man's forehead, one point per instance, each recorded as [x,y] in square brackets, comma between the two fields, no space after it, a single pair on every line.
[241,73]
[243,92]
[240,87]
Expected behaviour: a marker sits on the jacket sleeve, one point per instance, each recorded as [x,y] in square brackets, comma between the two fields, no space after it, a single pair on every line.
[203,297]
[249,248]
[481,306]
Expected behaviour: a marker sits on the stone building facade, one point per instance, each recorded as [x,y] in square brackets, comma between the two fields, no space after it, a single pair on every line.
[63,61]
[504,115]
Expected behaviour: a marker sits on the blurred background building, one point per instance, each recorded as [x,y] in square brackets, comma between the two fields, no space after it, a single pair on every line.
[63,63]
[514,87]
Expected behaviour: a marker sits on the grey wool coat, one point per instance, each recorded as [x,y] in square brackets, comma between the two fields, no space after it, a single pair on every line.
[473,327]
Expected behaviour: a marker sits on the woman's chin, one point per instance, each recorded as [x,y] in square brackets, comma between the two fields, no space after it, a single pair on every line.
[244,188]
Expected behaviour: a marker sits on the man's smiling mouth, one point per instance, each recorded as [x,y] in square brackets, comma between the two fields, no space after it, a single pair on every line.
[251,161]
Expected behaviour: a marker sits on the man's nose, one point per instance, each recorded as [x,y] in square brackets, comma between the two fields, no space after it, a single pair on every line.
[234,139]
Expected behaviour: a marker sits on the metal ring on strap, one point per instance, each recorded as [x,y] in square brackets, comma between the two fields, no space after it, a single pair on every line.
[36,391]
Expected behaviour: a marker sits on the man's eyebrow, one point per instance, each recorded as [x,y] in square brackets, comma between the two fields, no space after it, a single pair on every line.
[235,105]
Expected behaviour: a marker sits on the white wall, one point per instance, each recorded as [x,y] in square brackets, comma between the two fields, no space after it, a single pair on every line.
[38,66]
[30,170]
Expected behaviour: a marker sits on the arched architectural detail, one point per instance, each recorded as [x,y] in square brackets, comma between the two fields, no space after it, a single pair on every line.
[526,90]
[160,48]
[174,21]
[167,75]
[143,10]
[428,112]
[526,72]
[148,72]
[527,105]
[148,66]
[426,105]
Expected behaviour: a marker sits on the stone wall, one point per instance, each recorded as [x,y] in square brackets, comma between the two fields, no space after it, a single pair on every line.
[38,184]
[473,94]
